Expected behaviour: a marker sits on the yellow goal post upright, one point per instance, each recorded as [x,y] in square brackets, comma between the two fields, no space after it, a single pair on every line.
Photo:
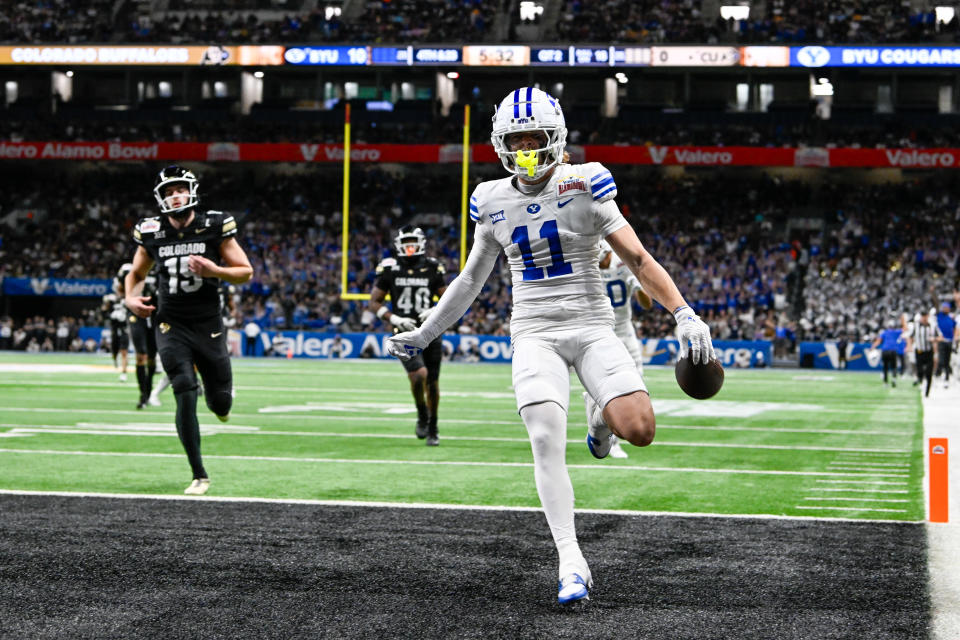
[345,229]
[345,218]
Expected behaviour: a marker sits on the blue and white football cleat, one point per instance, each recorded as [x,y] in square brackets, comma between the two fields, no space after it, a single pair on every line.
[573,588]
[599,436]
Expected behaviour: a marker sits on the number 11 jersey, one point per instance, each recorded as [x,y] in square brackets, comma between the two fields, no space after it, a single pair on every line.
[182,294]
[551,240]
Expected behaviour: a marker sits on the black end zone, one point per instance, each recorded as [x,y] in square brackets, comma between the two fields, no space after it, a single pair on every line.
[118,568]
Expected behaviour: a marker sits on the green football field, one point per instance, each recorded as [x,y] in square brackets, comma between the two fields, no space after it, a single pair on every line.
[782,442]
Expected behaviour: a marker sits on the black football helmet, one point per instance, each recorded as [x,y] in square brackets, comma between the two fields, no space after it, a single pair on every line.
[410,242]
[176,175]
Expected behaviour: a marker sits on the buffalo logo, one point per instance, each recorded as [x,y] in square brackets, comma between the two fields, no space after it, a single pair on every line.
[164,327]
[533,209]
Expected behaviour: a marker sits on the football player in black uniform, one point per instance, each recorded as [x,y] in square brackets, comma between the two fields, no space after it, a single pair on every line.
[413,280]
[194,250]
[143,337]
[117,321]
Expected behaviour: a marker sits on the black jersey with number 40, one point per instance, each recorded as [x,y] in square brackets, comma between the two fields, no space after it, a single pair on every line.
[412,286]
[183,295]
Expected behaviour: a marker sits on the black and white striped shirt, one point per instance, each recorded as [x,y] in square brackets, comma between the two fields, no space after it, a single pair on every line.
[923,337]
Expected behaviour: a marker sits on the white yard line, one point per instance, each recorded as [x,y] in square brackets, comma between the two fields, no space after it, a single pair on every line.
[852,490]
[872,465]
[162,429]
[842,499]
[900,475]
[943,540]
[339,417]
[896,483]
[451,463]
[443,506]
[800,506]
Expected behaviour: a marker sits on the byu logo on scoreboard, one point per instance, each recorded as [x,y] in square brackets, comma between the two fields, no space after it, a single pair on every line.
[813,56]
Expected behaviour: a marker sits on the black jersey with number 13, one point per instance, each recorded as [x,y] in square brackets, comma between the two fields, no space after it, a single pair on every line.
[183,295]
[412,285]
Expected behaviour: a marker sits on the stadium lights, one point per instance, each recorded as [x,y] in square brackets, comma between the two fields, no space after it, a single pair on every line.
[258,74]
[69,74]
[622,78]
[944,14]
[453,75]
[529,10]
[735,11]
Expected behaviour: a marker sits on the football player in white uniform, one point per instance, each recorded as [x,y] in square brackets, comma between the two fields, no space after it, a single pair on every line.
[548,218]
[621,287]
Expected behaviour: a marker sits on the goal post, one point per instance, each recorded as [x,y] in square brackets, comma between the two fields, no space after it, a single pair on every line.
[345,218]
[345,228]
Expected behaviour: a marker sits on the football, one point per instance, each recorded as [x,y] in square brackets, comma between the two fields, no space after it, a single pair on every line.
[700,381]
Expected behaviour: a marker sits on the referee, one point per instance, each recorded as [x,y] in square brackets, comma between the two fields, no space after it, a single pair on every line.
[921,339]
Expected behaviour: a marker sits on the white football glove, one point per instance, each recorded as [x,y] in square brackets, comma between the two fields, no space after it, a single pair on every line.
[690,328]
[406,345]
[402,322]
[426,313]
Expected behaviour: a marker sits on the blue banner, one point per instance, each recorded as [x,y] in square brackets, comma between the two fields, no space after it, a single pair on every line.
[308,344]
[826,355]
[731,353]
[874,56]
[56,287]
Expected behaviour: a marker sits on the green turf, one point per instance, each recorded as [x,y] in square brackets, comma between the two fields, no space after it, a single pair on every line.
[785,442]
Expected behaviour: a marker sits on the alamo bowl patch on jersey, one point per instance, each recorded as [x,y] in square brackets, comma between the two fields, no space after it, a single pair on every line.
[572,184]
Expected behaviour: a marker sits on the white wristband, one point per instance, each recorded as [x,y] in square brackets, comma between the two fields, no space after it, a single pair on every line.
[382,311]
[679,313]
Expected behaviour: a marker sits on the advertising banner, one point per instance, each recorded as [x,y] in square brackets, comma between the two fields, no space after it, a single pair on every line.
[663,155]
[826,355]
[874,56]
[462,348]
[73,287]
[731,353]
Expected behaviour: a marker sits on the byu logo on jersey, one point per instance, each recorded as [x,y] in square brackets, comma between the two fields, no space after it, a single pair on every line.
[533,209]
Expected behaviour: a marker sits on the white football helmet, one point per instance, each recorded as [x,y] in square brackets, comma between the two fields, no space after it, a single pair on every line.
[529,109]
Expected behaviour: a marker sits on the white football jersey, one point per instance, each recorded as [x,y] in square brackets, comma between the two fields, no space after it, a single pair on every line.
[550,240]
[620,285]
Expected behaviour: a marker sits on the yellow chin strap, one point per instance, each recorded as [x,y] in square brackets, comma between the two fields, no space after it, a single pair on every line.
[528,160]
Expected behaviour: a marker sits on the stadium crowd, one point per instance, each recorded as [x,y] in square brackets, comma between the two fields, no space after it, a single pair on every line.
[744,267]
[437,21]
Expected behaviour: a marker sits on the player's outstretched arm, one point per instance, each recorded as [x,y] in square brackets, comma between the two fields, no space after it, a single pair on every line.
[658,283]
[236,267]
[455,300]
[133,284]
[377,297]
